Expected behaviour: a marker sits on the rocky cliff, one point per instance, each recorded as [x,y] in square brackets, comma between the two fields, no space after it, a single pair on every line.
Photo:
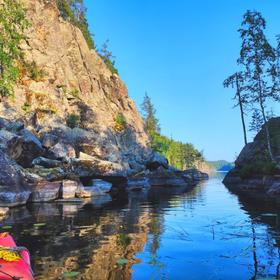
[76,83]
[254,173]
[71,119]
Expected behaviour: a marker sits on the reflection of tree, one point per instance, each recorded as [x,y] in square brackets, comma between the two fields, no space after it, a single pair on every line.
[255,258]
[156,229]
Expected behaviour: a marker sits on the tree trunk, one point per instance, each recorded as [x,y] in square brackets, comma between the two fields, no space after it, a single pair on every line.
[241,111]
[261,101]
[266,131]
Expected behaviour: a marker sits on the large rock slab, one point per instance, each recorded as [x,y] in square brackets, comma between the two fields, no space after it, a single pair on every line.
[45,191]
[157,160]
[24,148]
[87,166]
[165,177]
[61,151]
[10,198]
[69,189]
[46,162]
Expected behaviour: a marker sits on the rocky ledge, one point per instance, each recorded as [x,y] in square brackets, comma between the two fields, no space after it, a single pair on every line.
[254,174]
[266,187]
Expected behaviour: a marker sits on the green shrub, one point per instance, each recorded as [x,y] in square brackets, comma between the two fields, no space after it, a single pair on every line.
[75,93]
[120,122]
[110,64]
[108,57]
[25,107]
[75,14]
[73,120]
[34,72]
[258,168]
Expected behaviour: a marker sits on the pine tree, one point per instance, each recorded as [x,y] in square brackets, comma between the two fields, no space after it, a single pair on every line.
[258,58]
[149,112]
[236,81]
[13,23]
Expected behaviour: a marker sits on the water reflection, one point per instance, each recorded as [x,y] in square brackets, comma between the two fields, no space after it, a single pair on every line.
[205,233]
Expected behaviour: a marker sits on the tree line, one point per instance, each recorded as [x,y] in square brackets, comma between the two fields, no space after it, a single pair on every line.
[257,81]
[180,155]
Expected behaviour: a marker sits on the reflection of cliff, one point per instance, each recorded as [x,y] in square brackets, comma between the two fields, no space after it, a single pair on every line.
[96,259]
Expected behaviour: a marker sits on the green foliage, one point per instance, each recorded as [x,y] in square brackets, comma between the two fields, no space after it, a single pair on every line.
[123,240]
[73,120]
[75,12]
[149,115]
[120,122]
[258,168]
[25,107]
[180,155]
[75,93]
[34,72]
[13,23]
[108,58]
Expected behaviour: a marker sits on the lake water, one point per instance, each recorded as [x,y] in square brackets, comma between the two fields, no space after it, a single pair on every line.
[205,233]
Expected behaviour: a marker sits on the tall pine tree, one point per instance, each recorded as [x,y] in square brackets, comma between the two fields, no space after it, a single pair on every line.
[258,58]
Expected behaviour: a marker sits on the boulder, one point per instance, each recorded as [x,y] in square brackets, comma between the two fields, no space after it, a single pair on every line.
[11,126]
[61,151]
[157,160]
[25,148]
[46,162]
[11,174]
[165,177]
[13,198]
[5,137]
[69,189]
[195,175]
[87,166]
[49,140]
[45,191]
[49,174]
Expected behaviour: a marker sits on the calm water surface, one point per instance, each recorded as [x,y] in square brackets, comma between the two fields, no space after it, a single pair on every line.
[205,233]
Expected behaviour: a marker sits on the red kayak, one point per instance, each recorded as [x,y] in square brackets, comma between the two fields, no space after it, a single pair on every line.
[14,261]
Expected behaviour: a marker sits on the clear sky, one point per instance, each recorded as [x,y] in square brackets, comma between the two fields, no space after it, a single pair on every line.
[180,51]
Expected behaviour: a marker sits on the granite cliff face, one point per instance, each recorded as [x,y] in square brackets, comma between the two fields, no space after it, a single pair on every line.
[75,82]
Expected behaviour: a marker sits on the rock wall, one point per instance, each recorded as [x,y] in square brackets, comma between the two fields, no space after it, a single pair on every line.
[75,81]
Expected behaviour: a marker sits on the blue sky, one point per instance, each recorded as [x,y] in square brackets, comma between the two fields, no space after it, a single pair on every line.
[180,51]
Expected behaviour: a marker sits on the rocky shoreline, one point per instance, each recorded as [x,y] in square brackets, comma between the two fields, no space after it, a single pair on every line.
[38,168]
[257,186]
